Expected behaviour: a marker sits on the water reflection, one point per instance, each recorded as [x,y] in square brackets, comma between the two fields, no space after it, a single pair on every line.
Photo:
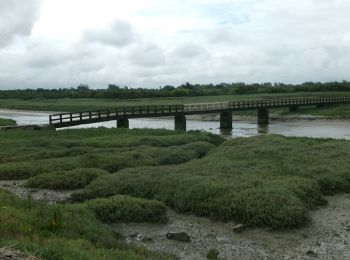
[263,129]
[226,132]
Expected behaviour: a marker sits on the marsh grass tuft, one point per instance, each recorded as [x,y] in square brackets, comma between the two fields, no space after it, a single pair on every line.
[127,209]
[61,232]
[24,155]
[261,181]
[64,180]
[7,122]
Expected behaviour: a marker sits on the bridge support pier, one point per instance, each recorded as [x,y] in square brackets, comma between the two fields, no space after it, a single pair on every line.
[226,119]
[263,116]
[293,108]
[180,122]
[123,122]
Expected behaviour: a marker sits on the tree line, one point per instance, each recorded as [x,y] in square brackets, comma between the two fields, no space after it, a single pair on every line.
[185,90]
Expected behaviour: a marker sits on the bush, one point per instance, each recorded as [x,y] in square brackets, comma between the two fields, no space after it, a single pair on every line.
[28,169]
[7,122]
[61,232]
[261,181]
[127,209]
[65,180]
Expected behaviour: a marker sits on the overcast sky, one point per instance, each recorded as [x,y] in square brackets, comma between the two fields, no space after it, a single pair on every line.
[152,43]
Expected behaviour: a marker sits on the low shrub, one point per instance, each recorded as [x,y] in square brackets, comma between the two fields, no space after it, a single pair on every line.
[261,181]
[7,122]
[65,180]
[28,169]
[127,209]
[61,232]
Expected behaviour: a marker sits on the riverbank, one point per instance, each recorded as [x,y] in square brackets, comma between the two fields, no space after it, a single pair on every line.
[325,237]
[199,175]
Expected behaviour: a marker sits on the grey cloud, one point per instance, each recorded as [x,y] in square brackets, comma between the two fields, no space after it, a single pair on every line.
[224,36]
[146,55]
[293,42]
[17,18]
[189,50]
[118,34]
[45,56]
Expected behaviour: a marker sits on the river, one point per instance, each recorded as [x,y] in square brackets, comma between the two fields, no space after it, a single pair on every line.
[318,128]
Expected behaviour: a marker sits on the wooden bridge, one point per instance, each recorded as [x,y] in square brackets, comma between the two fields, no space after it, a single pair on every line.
[226,109]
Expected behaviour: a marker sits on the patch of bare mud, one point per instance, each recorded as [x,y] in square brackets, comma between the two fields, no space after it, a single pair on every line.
[49,196]
[326,237]
[13,254]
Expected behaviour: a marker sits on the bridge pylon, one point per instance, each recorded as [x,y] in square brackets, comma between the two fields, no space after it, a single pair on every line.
[180,122]
[226,119]
[123,122]
[263,116]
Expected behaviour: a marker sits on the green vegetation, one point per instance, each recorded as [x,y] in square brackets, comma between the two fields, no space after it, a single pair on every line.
[71,159]
[74,179]
[55,156]
[127,209]
[61,232]
[261,181]
[7,122]
[213,254]
[129,175]
[326,111]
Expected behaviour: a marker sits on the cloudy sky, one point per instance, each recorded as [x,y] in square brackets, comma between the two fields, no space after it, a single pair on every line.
[151,43]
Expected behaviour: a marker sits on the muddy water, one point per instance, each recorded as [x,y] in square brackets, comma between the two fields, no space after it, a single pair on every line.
[318,128]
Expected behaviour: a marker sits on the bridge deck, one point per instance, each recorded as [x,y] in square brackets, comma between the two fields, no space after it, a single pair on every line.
[88,117]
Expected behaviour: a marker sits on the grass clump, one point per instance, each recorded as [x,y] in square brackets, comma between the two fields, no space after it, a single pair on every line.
[7,122]
[261,181]
[61,232]
[28,169]
[65,180]
[127,209]
[25,155]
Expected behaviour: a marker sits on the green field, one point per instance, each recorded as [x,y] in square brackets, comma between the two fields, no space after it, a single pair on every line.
[261,181]
[83,104]
[134,175]
[7,122]
[73,159]
[67,231]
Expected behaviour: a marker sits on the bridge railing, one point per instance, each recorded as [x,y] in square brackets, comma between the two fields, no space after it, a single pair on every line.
[271,103]
[66,119]
[197,107]
[110,114]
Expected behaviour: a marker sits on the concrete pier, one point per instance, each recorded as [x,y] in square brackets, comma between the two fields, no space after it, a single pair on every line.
[263,116]
[123,123]
[226,119]
[180,122]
